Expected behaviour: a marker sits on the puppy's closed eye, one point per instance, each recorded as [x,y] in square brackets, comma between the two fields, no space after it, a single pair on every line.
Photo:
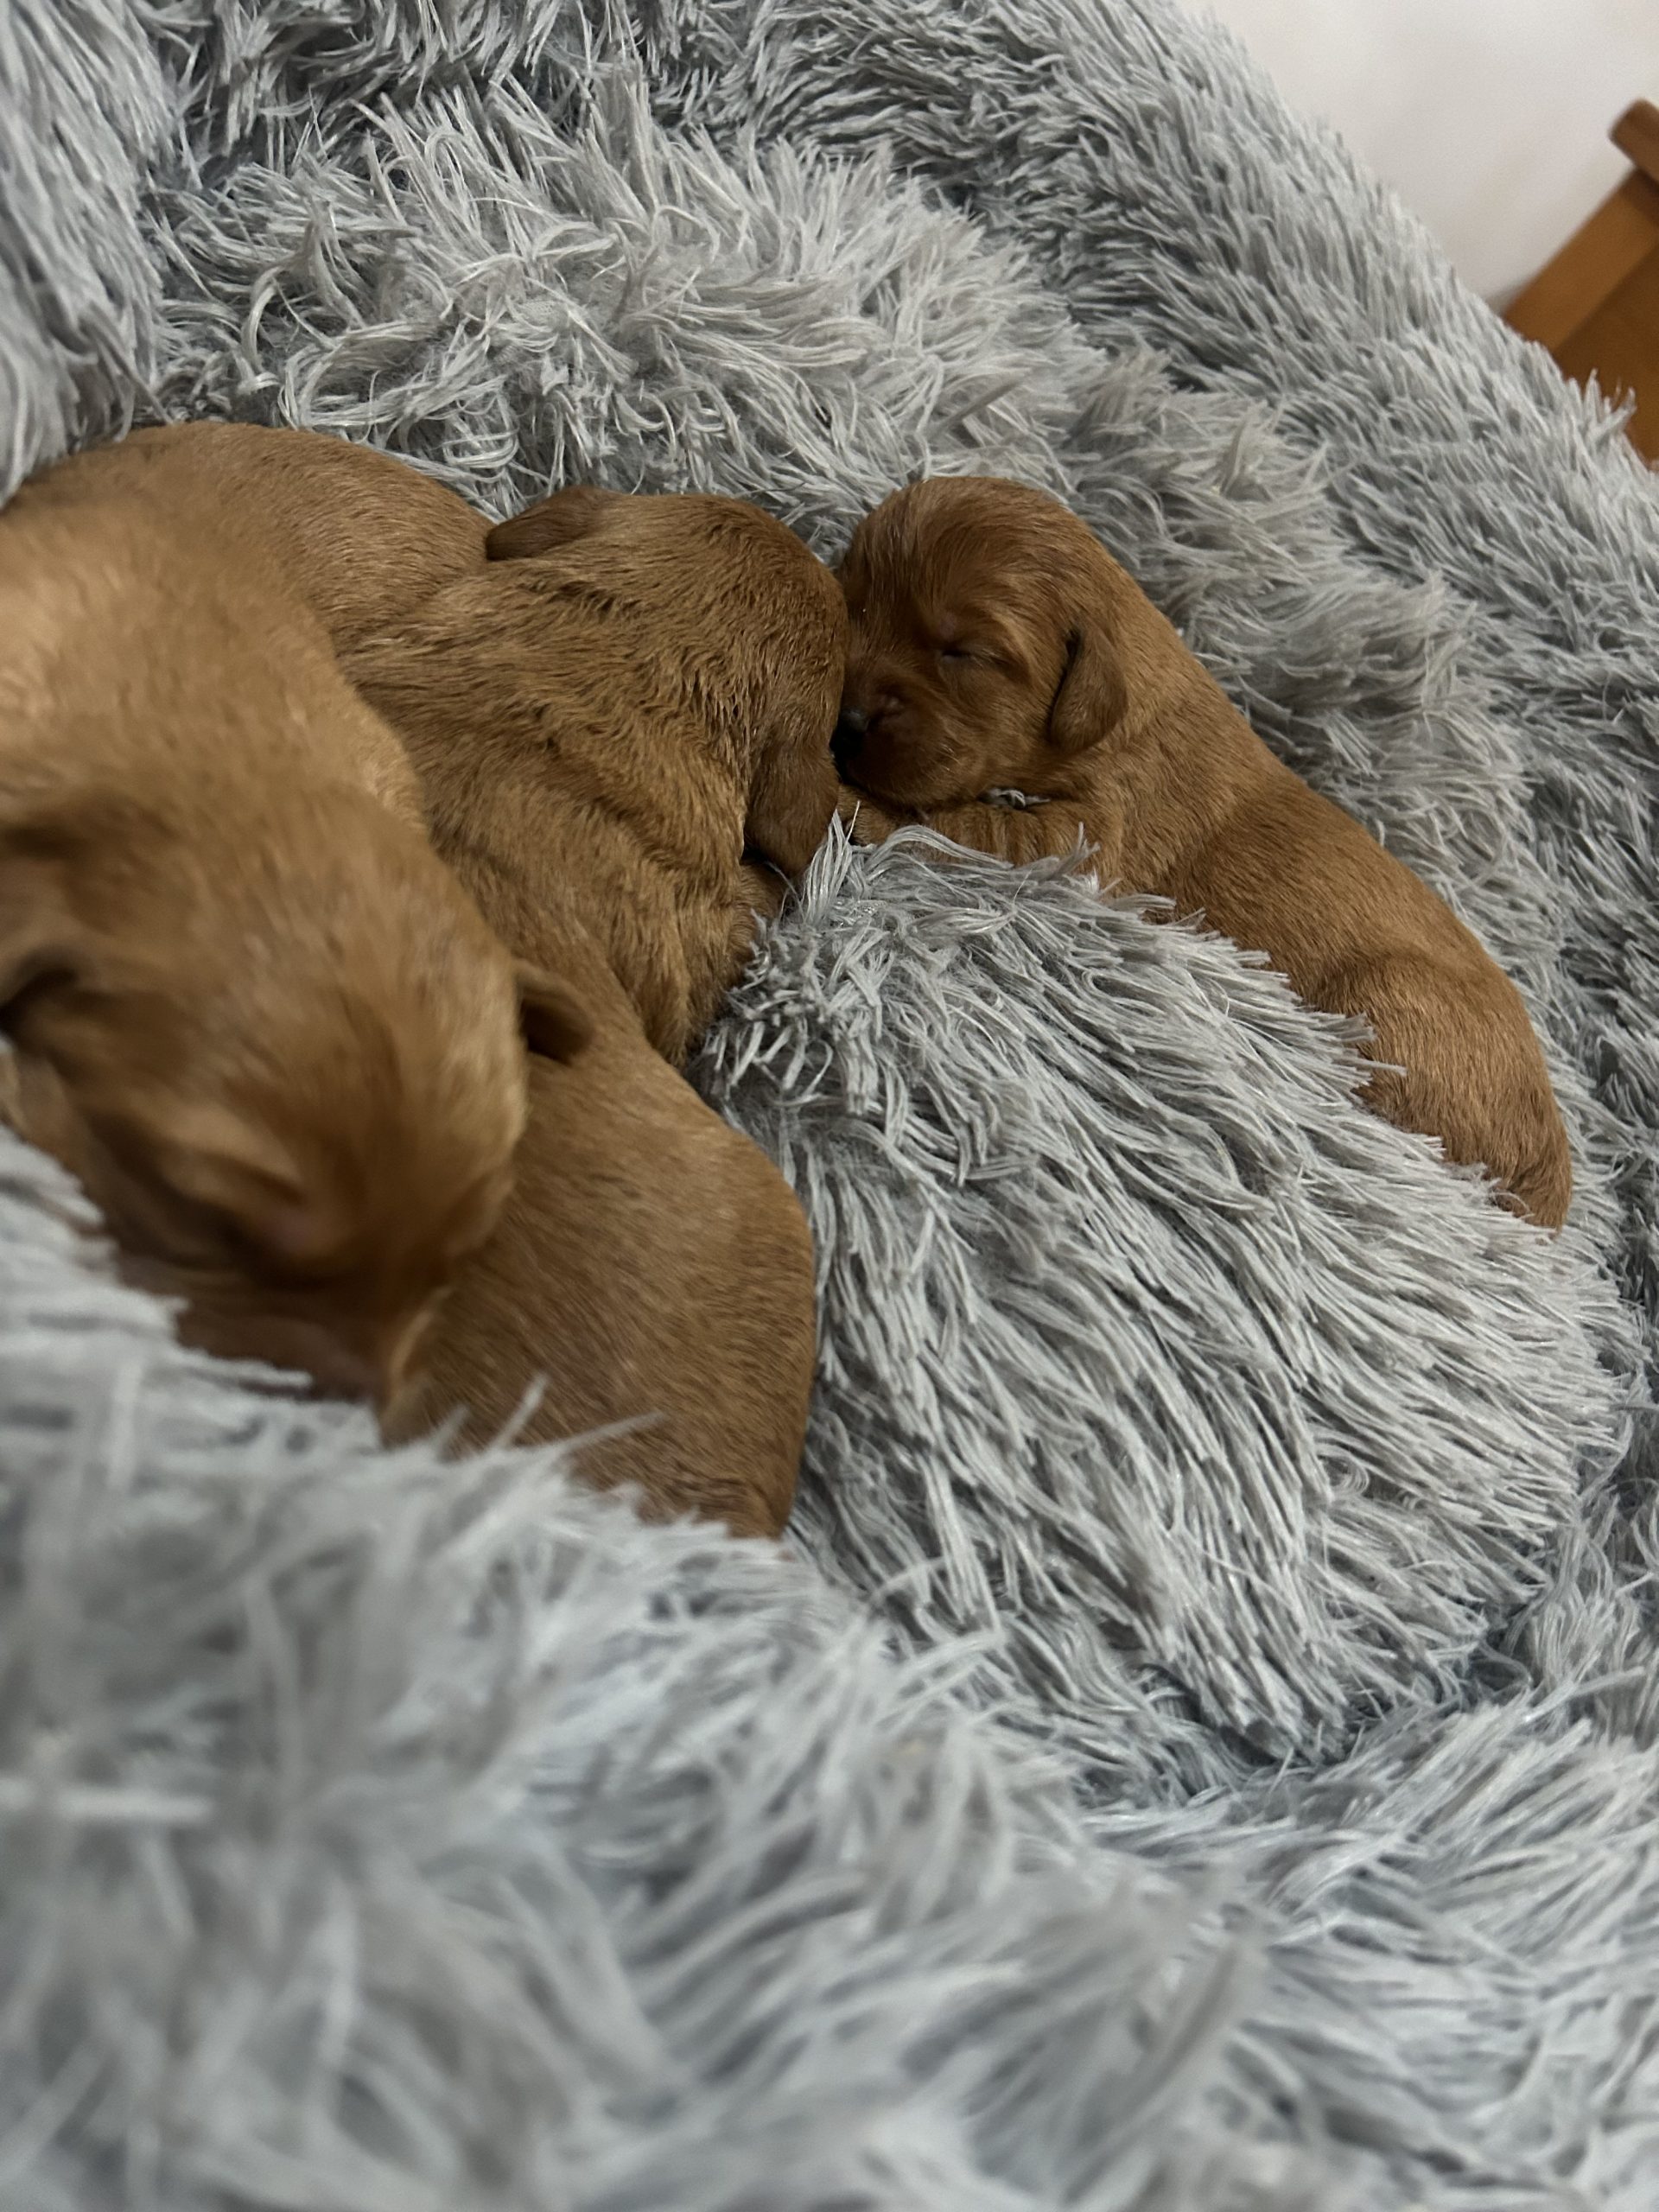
[213,1186]
[1093,696]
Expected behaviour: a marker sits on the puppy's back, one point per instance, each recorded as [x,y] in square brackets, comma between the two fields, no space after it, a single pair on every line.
[356,535]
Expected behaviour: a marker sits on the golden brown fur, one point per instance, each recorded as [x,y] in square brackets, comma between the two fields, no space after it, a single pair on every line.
[633,694]
[655,1267]
[251,1009]
[995,644]
[615,720]
[359,537]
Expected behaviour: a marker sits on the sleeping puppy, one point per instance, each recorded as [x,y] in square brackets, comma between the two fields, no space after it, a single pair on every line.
[996,648]
[623,722]
[635,694]
[247,1005]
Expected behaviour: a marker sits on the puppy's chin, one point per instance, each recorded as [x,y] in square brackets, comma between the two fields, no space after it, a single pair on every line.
[923,757]
[917,788]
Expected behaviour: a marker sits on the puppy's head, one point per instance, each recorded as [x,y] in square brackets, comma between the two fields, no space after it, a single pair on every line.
[294,1097]
[751,624]
[988,628]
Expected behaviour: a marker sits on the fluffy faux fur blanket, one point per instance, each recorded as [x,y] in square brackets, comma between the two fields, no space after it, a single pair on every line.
[1199,1752]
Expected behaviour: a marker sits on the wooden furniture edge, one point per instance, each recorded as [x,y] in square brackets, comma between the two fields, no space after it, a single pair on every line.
[1637,136]
[1595,261]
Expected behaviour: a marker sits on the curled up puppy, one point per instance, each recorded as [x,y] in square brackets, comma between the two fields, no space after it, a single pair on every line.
[621,728]
[996,648]
[247,1006]
[624,722]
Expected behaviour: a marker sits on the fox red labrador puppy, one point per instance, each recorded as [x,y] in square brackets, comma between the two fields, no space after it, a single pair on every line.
[620,710]
[247,1005]
[999,654]
[622,719]
[621,726]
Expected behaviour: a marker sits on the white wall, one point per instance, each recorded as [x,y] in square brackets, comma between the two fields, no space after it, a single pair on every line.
[1490,117]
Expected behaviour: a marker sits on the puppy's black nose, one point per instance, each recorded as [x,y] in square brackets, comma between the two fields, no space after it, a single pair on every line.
[850,731]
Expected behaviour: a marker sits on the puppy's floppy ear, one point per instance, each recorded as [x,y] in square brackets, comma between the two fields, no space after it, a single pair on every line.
[795,786]
[1091,698]
[552,522]
[794,795]
[31,955]
[555,1021]
[41,940]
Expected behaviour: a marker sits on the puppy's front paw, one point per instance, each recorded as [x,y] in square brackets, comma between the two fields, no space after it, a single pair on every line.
[865,821]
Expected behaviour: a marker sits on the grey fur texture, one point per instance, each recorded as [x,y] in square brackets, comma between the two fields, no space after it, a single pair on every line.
[1201,1753]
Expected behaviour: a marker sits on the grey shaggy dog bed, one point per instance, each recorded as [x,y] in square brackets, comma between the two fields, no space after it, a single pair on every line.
[1199,1754]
